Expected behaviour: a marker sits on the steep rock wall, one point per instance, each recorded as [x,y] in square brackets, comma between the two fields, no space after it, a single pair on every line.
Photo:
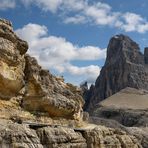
[124,67]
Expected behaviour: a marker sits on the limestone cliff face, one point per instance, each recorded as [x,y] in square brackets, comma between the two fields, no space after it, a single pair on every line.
[125,66]
[12,61]
[39,110]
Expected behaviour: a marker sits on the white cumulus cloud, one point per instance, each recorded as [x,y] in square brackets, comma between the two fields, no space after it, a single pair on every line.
[58,53]
[133,22]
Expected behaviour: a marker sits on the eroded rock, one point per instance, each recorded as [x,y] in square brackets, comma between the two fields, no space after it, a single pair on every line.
[19,135]
[12,62]
[49,94]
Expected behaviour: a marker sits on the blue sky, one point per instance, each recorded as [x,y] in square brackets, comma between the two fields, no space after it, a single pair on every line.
[70,37]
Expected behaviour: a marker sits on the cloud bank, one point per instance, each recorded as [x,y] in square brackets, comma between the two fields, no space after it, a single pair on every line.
[85,11]
[57,53]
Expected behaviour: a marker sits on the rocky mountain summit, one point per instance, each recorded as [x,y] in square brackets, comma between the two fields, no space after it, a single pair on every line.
[39,110]
[125,66]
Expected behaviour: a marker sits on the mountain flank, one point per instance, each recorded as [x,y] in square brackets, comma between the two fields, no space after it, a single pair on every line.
[125,66]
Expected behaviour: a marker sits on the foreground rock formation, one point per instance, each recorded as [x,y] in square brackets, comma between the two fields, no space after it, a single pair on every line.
[12,61]
[41,91]
[50,95]
[125,66]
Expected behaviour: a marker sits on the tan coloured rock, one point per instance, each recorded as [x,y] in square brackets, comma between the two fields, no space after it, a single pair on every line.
[49,94]
[12,62]
[43,92]
[61,137]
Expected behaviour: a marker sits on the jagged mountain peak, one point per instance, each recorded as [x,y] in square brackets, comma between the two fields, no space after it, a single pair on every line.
[123,48]
[125,66]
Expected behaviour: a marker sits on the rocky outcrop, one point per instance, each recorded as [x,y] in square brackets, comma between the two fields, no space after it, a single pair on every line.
[41,91]
[141,134]
[101,137]
[12,62]
[124,67]
[49,94]
[66,137]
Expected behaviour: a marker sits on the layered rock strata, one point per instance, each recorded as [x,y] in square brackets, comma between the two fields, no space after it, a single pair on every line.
[19,135]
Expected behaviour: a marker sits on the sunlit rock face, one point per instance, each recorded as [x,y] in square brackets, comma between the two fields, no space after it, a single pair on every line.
[49,94]
[42,92]
[12,62]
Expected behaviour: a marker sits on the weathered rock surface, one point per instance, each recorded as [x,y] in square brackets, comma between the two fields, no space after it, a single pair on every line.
[146,55]
[141,134]
[12,62]
[49,94]
[124,67]
[124,116]
[61,137]
[87,94]
[105,137]
[126,110]
[20,135]
[42,91]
